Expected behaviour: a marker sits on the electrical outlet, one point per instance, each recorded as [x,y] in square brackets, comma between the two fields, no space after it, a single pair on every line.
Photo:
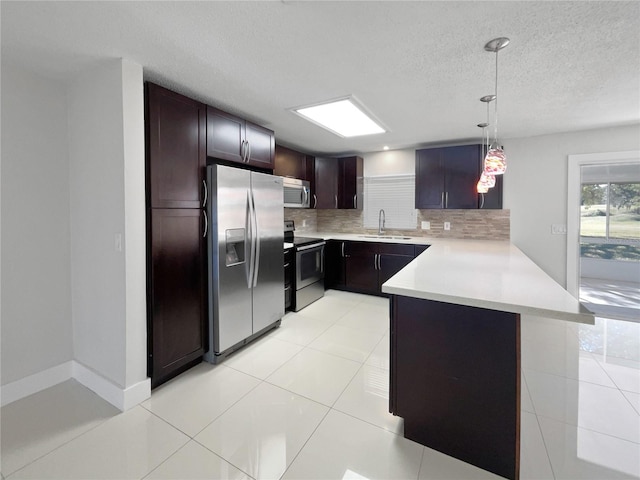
[426,225]
[447,225]
[558,229]
[304,222]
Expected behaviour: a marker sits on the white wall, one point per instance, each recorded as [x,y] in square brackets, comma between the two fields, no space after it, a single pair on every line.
[106,158]
[135,223]
[391,162]
[36,300]
[535,188]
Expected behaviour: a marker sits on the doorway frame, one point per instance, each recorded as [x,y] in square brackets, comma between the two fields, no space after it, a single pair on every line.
[575,162]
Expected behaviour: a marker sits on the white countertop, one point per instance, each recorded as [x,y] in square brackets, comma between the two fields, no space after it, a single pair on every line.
[487,274]
[479,273]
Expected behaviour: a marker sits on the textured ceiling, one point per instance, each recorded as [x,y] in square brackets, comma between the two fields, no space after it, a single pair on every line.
[419,67]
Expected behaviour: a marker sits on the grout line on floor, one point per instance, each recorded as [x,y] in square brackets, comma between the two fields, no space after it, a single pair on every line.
[544,442]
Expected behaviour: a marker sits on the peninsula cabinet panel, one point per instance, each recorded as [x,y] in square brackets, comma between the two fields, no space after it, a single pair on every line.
[176,292]
[455,379]
[176,149]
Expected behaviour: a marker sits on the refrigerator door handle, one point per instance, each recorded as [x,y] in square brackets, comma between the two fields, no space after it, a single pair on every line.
[256,266]
[206,224]
[206,194]
[250,239]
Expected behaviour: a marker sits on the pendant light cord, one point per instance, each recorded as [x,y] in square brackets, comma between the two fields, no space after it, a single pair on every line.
[495,130]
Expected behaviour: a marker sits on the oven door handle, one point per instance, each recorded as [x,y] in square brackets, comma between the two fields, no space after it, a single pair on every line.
[322,260]
[309,247]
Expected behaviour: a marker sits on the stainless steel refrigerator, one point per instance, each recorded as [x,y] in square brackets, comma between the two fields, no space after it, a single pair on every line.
[246,257]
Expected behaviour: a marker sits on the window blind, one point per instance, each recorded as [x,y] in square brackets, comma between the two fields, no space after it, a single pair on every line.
[395,194]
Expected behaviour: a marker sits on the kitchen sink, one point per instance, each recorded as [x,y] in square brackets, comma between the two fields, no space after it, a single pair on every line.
[389,237]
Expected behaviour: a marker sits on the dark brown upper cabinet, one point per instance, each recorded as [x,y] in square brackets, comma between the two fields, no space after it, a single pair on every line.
[350,183]
[293,164]
[338,183]
[326,183]
[176,149]
[237,140]
[446,177]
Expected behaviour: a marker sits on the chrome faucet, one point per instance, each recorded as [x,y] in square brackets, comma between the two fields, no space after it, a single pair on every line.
[381,220]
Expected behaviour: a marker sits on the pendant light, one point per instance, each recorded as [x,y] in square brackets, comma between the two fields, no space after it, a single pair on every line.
[487,180]
[495,162]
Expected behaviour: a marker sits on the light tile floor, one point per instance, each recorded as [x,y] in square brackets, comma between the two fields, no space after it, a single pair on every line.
[309,400]
[611,298]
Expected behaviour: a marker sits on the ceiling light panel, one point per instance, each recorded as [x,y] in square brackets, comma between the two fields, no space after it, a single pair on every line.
[344,117]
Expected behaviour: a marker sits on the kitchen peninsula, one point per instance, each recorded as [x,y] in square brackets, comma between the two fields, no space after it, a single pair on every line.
[455,346]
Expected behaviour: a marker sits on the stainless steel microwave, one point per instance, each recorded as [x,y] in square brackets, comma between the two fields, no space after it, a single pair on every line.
[297,193]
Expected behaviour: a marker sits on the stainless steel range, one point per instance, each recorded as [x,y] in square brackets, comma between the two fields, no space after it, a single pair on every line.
[308,280]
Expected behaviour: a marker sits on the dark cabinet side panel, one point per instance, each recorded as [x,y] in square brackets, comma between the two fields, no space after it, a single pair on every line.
[176,145]
[177,301]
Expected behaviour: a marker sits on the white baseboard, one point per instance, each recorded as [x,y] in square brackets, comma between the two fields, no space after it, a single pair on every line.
[34,383]
[120,398]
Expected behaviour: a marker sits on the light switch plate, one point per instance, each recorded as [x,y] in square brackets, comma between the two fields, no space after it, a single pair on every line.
[558,229]
[426,225]
[447,225]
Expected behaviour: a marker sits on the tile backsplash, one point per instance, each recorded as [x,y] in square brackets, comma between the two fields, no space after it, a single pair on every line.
[305,219]
[472,224]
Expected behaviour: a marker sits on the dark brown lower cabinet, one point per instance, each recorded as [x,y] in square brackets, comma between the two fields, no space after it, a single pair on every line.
[177,309]
[334,265]
[369,264]
[455,379]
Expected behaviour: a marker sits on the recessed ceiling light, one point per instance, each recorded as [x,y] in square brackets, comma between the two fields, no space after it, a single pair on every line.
[386,147]
[344,117]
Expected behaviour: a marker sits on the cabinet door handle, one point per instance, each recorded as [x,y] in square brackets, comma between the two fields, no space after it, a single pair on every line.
[315,201]
[342,249]
[355,201]
[286,265]
[442,200]
[336,197]
[446,200]
[482,204]
[206,194]
[206,224]
[375,261]
[379,262]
